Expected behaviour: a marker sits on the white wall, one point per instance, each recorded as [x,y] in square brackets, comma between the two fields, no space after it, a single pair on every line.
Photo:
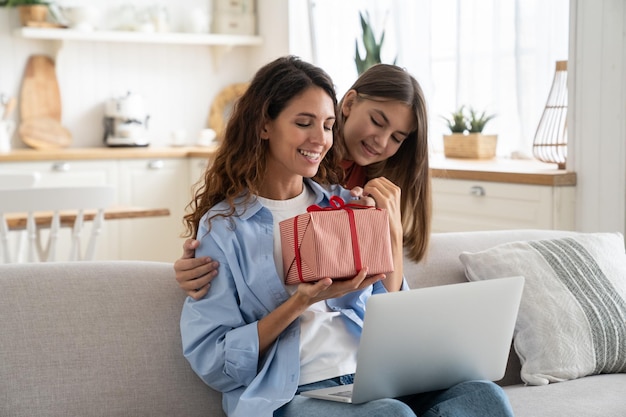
[178,82]
[597,151]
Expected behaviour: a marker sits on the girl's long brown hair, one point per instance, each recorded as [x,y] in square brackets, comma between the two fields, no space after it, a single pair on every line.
[239,167]
[408,168]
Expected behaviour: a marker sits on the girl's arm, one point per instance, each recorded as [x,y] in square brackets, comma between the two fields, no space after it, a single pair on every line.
[387,195]
[193,274]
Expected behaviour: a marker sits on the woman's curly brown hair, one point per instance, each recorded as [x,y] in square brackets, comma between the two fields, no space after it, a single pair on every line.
[239,167]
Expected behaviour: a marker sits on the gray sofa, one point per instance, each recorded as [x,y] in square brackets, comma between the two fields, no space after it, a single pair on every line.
[102,339]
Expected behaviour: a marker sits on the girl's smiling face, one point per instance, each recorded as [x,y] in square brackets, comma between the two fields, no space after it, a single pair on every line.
[374,129]
[299,138]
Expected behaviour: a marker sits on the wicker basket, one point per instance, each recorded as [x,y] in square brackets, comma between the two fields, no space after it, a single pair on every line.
[472,146]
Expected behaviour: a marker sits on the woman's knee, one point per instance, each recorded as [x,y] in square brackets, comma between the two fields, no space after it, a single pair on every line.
[486,395]
[388,407]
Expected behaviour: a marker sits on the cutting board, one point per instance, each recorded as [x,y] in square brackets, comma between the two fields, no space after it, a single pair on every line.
[44,133]
[40,95]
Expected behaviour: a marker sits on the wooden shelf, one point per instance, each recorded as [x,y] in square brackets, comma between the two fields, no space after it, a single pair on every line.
[138,37]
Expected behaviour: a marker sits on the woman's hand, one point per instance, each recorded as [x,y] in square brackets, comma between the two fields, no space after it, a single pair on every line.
[326,288]
[307,294]
[194,275]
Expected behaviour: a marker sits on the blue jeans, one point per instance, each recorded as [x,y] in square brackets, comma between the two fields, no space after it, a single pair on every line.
[467,399]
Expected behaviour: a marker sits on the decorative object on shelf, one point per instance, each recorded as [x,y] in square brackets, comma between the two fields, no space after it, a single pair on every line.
[550,143]
[234,17]
[198,21]
[32,12]
[372,48]
[222,107]
[466,139]
[82,18]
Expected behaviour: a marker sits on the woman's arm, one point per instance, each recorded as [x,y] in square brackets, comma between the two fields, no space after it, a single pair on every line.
[228,332]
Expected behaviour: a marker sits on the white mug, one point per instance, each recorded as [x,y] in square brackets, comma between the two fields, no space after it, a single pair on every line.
[7,127]
[206,137]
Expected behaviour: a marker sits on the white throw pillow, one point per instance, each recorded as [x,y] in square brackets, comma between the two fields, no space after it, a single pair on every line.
[572,318]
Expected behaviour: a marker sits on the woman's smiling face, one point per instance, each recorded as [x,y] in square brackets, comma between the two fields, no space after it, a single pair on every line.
[300,137]
[374,129]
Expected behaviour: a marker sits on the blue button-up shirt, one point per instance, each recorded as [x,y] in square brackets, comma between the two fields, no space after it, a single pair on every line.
[219,332]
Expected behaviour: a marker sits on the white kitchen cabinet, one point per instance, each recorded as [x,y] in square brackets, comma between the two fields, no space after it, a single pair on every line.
[154,182]
[197,167]
[464,205]
[62,173]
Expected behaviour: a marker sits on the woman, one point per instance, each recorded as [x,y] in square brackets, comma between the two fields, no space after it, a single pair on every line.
[382,131]
[251,337]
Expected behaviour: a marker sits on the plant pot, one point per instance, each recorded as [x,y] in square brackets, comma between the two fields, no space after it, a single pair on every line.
[472,146]
[35,13]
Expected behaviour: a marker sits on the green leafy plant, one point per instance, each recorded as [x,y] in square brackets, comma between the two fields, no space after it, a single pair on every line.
[372,47]
[467,120]
[477,121]
[457,121]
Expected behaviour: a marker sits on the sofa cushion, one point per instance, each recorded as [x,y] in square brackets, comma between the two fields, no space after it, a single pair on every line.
[572,319]
[592,396]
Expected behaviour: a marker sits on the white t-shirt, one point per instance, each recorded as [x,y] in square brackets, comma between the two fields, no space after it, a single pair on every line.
[327,348]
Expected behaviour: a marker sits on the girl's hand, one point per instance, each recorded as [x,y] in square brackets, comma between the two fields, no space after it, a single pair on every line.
[387,195]
[361,198]
[194,275]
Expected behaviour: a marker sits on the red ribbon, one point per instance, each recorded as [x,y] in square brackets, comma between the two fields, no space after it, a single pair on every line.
[336,203]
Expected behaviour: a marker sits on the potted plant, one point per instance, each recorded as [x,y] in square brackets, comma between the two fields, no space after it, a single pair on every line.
[32,12]
[466,139]
[372,47]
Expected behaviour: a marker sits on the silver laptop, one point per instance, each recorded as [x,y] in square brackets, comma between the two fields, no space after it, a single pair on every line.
[432,338]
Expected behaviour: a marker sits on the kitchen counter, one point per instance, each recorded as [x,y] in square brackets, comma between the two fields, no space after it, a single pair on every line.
[517,171]
[72,154]
[493,170]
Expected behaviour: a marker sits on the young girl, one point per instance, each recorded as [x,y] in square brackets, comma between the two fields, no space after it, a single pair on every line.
[381,135]
[251,337]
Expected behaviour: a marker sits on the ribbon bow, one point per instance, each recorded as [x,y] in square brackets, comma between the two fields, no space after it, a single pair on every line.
[337,203]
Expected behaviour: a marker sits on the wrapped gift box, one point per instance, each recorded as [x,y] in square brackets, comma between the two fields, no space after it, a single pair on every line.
[335,242]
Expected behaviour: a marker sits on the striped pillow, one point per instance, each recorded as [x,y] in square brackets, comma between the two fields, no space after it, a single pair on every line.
[572,319]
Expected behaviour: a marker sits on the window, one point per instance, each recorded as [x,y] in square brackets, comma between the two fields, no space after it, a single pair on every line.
[493,55]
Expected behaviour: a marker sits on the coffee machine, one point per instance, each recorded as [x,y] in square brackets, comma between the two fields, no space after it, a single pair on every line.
[126,121]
